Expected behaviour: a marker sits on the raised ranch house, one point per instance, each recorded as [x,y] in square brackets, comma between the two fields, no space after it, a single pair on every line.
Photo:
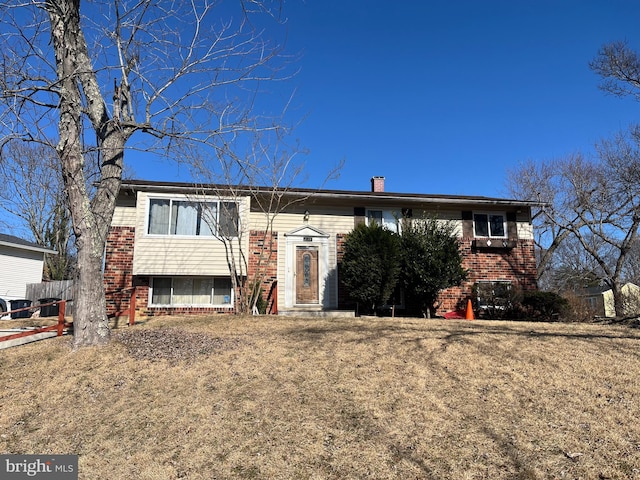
[165,255]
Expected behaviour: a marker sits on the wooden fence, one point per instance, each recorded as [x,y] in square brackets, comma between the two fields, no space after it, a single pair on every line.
[61,289]
[21,336]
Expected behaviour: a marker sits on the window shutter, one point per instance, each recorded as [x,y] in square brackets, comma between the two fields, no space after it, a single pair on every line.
[467,224]
[512,226]
[358,216]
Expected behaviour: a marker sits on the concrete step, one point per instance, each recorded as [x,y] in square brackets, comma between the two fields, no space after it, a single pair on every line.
[316,312]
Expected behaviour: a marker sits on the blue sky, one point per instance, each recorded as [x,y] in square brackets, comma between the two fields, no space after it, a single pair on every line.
[445,96]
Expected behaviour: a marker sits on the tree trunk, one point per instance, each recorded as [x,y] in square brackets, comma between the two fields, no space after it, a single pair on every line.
[90,320]
[91,215]
[618,299]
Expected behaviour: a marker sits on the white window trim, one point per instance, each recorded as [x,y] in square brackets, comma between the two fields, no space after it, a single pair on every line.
[504,224]
[183,305]
[186,198]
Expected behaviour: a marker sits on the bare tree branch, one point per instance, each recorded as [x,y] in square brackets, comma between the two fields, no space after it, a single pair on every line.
[594,203]
[171,70]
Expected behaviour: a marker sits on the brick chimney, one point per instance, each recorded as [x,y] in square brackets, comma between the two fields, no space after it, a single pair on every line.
[377,184]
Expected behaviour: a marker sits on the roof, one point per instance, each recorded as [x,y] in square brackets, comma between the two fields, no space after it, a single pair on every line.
[17,242]
[596,290]
[147,185]
[599,289]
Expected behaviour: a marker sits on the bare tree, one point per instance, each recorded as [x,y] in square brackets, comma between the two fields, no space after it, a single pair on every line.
[594,203]
[33,192]
[264,171]
[619,67]
[572,269]
[537,182]
[632,265]
[168,69]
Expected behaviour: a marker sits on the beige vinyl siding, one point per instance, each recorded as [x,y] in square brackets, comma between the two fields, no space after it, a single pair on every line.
[179,256]
[176,255]
[124,216]
[329,220]
[341,220]
[452,217]
[525,231]
[19,267]
[125,212]
[525,228]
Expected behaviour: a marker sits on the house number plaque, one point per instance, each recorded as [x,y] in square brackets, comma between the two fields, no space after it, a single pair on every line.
[308,239]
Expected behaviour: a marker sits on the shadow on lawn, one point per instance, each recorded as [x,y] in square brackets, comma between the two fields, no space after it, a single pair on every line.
[477,334]
[428,342]
[377,330]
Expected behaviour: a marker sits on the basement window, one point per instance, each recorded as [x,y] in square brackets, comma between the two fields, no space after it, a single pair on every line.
[191,291]
[494,295]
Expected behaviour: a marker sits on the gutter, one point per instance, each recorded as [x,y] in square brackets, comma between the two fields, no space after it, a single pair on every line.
[333,194]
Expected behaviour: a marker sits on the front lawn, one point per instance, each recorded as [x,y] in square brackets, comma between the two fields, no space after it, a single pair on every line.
[271,397]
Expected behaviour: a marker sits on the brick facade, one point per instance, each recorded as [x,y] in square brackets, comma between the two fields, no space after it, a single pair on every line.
[517,265]
[118,268]
[119,280]
[263,263]
[343,297]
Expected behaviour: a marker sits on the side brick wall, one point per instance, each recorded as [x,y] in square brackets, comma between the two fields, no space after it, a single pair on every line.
[118,278]
[517,265]
[263,262]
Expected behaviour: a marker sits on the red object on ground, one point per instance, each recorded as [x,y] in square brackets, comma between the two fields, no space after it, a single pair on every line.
[455,314]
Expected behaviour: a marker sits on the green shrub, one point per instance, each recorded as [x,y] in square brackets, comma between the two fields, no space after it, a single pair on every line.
[545,306]
[370,266]
[431,262]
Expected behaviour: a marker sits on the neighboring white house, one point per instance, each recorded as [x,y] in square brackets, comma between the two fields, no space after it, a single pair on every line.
[21,262]
[600,299]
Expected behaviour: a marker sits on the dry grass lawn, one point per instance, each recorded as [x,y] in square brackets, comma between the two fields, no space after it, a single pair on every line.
[279,398]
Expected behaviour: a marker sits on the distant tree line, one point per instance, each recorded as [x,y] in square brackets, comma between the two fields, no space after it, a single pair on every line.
[587,222]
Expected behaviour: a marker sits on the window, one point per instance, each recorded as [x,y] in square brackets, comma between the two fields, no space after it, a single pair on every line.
[495,295]
[306,268]
[228,223]
[385,218]
[182,217]
[374,216]
[489,225]
[200,291]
